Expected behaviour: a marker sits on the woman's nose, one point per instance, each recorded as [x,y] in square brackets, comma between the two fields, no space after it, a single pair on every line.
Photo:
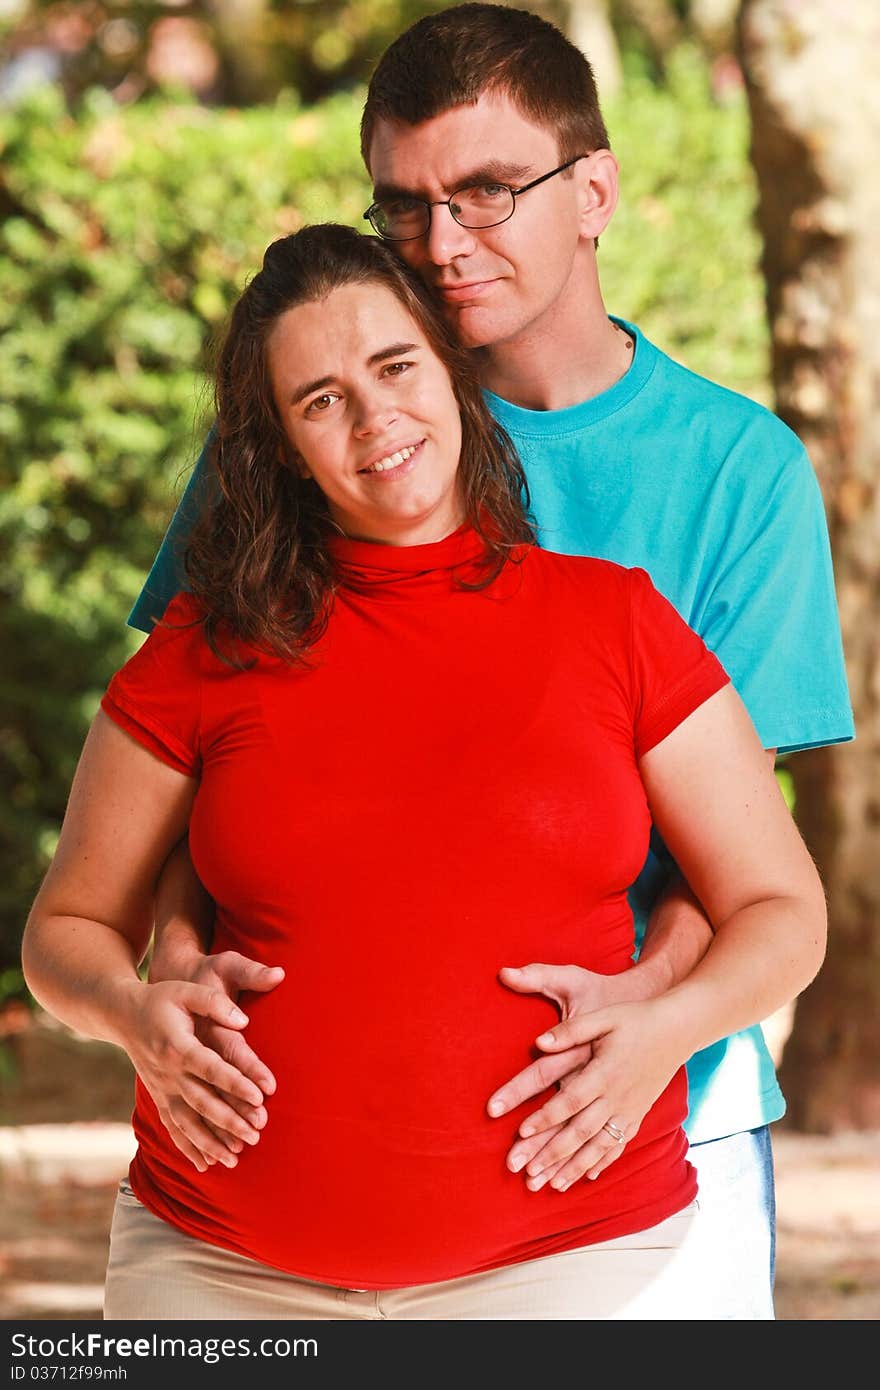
[374,414]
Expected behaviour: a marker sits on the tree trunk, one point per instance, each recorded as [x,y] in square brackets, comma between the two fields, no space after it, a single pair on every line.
[811,78]
[589,29]
[245,45]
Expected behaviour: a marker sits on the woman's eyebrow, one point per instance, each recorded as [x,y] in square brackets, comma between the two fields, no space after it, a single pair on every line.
[302,391]
[393,350]
[494,171]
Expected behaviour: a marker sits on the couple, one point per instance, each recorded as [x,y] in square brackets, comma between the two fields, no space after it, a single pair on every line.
[412,751]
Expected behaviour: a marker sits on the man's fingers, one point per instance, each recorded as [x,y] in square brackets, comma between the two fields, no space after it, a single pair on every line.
[239,972]
[209,1002]
[537,978]
[535,1078]
[575,1031]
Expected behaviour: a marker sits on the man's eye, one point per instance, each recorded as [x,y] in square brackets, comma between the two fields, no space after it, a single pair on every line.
[488,192]
[400,207]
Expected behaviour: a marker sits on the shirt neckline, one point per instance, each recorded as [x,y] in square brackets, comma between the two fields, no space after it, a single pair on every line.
[543,423]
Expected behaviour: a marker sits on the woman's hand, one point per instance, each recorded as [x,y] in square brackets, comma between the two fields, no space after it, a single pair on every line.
[213,1105]
[610,1060]
[192,1086]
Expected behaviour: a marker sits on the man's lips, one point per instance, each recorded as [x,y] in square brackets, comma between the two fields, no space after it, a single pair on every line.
[457,293]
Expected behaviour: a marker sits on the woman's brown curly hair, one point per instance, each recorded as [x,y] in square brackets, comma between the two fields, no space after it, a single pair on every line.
[257,557]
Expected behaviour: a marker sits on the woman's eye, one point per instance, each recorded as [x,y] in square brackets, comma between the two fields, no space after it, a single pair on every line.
[321,403]
[396,368]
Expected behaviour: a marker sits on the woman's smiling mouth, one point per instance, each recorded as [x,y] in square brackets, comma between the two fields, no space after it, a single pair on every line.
[389,463]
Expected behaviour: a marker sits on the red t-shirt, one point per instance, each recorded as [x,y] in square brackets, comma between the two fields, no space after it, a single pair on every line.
[450,787]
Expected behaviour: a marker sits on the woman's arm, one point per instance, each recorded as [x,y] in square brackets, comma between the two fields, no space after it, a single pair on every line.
[92,919]
[718,806]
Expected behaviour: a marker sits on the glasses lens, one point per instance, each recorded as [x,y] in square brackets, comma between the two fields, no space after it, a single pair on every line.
[400,219]
[484,205]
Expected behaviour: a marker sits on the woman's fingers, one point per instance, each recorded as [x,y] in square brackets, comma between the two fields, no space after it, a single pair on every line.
[187,1147]
[589,1160]
[213,1106]
[534,1079]
[525,1149]
[234,1049]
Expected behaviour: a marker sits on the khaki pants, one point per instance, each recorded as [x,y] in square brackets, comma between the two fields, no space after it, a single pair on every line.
[155,1272]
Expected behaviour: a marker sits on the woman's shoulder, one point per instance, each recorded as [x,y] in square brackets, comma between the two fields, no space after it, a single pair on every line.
[183,616]
[589,574]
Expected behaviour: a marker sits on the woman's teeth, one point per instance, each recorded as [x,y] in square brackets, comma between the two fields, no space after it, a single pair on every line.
[392,461]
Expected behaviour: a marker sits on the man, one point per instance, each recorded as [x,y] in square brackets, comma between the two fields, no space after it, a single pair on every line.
[493,179]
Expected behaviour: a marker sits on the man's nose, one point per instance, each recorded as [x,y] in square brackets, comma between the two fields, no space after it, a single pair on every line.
[447,239]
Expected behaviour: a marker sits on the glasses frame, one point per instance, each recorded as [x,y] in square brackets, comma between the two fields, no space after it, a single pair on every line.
[447,203]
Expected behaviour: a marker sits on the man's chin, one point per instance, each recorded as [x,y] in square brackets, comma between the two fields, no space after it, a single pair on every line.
[470,327]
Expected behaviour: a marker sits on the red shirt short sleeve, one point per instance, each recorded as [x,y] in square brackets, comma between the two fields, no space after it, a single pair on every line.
[155,696]
[673,670]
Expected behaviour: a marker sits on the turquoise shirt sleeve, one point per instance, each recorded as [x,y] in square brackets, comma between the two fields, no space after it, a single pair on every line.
[770,612]
[167,576]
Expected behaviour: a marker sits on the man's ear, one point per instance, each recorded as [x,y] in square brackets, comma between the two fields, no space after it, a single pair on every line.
[598,175]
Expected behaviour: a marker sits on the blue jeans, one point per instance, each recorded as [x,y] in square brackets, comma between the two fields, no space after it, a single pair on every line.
[737,1198]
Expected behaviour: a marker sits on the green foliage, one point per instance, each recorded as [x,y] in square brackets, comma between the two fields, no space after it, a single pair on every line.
[125,237]
[681,257]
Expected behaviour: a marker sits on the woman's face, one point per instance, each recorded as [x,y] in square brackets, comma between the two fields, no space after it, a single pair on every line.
[370,412]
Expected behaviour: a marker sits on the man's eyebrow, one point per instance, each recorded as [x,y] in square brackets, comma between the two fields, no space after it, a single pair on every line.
[494,171]
[393,350]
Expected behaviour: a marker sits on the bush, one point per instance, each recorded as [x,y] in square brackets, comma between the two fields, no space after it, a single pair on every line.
[125,237]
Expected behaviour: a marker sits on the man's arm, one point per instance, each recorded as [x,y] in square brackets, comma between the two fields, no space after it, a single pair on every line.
[167,575]
[677,937]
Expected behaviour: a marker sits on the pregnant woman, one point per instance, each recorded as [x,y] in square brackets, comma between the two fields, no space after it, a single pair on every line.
[408,748]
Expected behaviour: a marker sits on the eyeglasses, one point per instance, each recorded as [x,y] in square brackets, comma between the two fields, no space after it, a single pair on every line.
[477,206]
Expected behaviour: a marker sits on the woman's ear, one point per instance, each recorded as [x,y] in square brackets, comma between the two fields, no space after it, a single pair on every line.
[289,458]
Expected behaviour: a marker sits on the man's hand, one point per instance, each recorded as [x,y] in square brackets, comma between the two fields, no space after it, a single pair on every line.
[610,1061]
[205,1116]
[183,1077]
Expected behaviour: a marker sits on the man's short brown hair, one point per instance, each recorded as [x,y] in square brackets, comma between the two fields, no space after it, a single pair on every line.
[453,57]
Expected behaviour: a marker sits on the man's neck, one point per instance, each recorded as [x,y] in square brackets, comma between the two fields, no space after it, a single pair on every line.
[559,364]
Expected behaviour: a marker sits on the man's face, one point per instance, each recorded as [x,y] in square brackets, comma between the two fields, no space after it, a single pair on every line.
[499,284]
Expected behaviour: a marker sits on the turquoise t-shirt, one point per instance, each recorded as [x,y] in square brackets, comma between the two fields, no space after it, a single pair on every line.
[715,497]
